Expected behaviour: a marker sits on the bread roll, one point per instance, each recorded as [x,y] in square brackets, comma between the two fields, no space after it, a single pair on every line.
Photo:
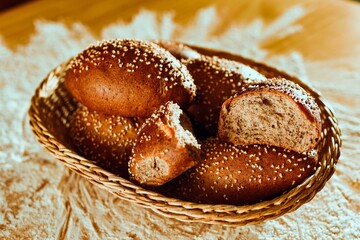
[267,71]
[216,79]
[130,78]
[164,148]
[239,175]
[277,112]
[179,50]
[105,139]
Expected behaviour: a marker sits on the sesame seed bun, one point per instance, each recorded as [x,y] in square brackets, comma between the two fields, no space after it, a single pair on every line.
[239,175]
[105,139]
[130,78]
[216,80]
[262,68]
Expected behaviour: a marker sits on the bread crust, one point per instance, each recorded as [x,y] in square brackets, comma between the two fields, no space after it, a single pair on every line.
[239,175]
[109,77]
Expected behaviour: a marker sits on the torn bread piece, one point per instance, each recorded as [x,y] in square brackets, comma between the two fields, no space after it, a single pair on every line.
[165,147]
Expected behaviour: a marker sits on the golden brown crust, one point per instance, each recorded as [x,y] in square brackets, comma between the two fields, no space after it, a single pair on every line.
[216,79]
[238,175]
[160,152]
[262,68]
[105,139]
[130,78]
[179,50]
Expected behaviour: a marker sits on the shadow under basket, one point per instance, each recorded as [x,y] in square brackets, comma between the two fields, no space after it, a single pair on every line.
[49,114]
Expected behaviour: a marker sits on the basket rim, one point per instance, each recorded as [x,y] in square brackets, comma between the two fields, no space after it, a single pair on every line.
[161,203]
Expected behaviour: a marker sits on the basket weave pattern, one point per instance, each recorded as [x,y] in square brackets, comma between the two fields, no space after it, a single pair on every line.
[52,104]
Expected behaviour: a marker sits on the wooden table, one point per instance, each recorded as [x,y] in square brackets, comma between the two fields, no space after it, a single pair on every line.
[331,29]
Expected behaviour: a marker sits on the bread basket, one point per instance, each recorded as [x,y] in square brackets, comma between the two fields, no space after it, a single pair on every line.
[52,104]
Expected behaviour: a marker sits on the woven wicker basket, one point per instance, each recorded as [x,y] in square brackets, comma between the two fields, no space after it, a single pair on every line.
[51,105]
